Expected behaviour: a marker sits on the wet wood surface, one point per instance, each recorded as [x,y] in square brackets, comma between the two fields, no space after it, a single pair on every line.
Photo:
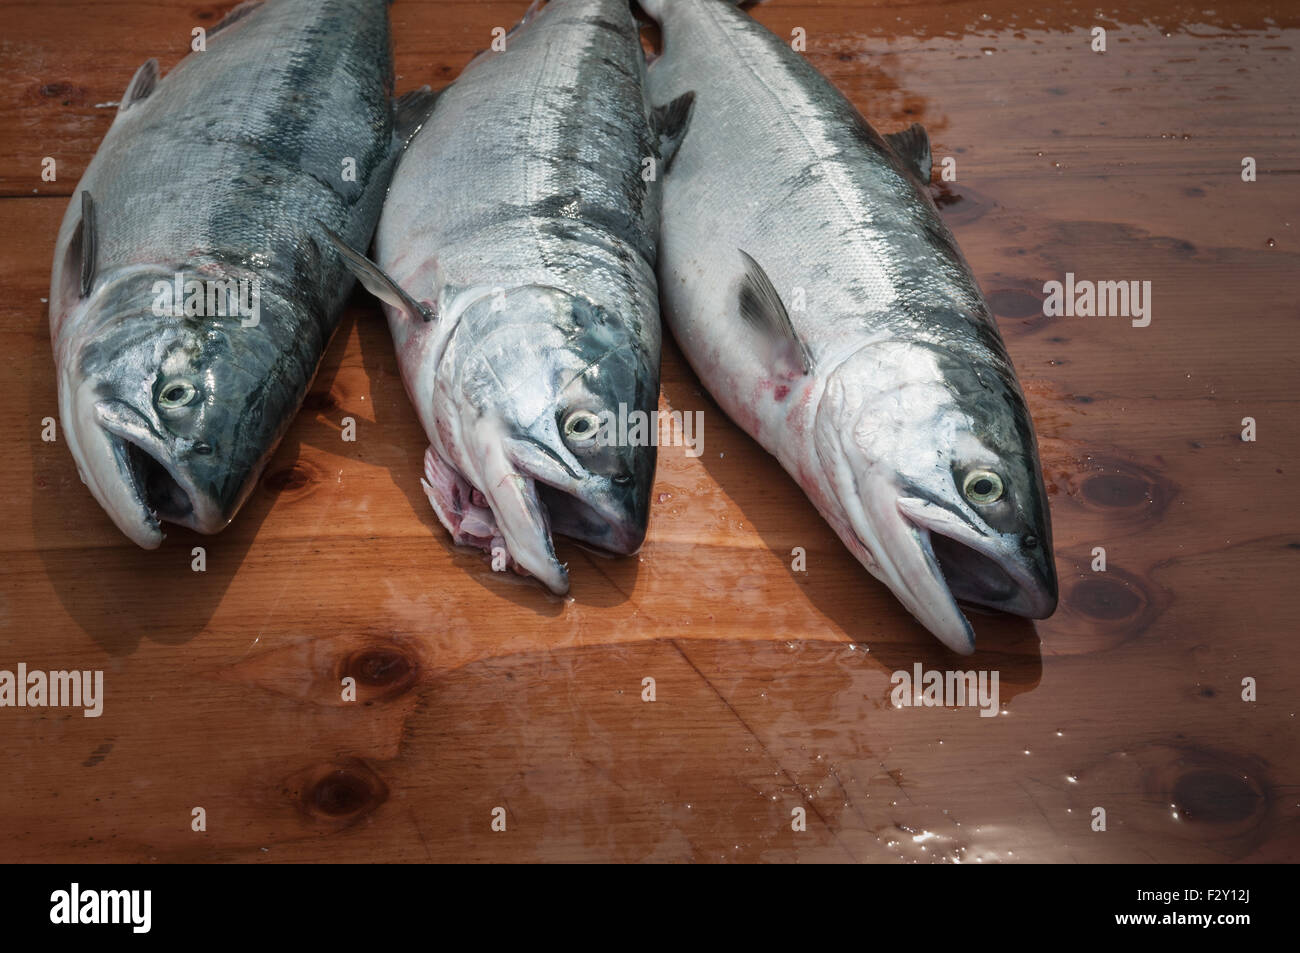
[480,691]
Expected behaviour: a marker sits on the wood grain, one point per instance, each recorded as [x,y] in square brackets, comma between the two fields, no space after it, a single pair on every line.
[772,687]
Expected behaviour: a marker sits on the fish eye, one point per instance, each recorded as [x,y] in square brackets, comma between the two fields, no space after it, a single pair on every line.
[982,487]
[581,426]
[176,394]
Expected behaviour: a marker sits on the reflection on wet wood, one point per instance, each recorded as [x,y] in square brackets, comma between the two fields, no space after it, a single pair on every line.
[772,688]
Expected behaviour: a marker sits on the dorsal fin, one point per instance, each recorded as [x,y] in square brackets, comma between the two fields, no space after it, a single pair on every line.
[670,122]
[762,309]
[141,85]
[912,146]
[375,280]
[235,14]
[530,14]
[86,237]
[411,110]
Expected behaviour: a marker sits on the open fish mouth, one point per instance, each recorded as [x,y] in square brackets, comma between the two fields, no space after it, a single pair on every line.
[991,571]
[157,490]
[504,518]
[934,561]
[127,467]
[521,513]
[598,528]
[548,510]
[973,578]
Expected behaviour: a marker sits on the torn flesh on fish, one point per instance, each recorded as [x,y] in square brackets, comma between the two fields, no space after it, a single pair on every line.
[515,259]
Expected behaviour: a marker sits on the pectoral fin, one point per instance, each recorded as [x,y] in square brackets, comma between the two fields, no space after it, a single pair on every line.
[762,309]
[374,279]
[85,241]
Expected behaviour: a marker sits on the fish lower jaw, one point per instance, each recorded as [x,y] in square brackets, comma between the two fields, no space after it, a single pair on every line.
[465,513]
[898,552]
[158,497]
[981,573]
[147,533]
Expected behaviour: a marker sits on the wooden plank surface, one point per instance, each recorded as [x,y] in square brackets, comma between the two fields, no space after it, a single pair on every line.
[773,687]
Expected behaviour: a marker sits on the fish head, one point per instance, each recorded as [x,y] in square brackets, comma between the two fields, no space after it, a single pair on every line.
[537,399]
[934,463]
[169,418]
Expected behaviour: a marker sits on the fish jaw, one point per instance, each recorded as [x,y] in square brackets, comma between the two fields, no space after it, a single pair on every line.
[933,560]
[900,553]
[523,519]
[614,527]
[995,571]
[518,498]
[104,466]
[610,514]
[130,469]
[504,516]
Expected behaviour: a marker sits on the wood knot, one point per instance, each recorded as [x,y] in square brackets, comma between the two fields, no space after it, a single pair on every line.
[1215,801]
[1215,796]
[381,672]
[339,791]
[296,480]
[960,208]
[1012,303]
[1100,610]
[61,90]
[1108,598]
[1119,487]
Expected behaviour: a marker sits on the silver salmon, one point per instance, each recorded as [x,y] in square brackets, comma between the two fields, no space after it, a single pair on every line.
[515,259]
[194,286]
[820,298]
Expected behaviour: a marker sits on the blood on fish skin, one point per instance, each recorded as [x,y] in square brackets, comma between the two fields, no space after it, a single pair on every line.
[909,387]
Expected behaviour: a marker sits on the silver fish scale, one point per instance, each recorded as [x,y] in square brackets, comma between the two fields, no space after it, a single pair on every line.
[537,158]
[231,169]
[909,403]
[225,165]
[787,136]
